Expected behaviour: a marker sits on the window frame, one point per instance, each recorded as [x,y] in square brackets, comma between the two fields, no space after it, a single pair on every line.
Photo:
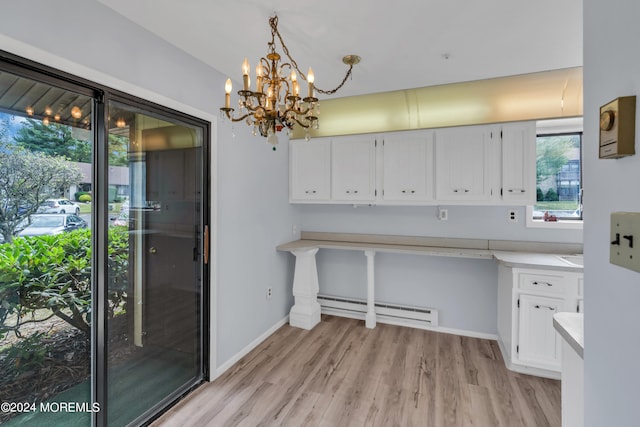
[559,127]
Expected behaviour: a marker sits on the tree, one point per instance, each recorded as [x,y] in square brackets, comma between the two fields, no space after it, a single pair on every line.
[551,196]
[26,180]
[118,150]
[551,156]
[53,139]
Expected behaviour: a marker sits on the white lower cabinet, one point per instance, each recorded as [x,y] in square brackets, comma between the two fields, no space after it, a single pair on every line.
[538,343]
[527,300]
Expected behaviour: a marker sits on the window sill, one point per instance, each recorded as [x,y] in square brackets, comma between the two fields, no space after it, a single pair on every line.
[558,225]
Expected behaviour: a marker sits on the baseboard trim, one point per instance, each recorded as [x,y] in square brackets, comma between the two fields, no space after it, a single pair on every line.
[412,324]
[253,344]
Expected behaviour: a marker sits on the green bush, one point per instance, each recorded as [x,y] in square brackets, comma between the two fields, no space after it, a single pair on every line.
[79,194]
[54,273]
[551,196]
[28,353]
[539,195]
[84,198]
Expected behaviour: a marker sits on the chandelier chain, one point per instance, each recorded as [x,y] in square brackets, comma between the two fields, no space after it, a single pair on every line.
[273,22]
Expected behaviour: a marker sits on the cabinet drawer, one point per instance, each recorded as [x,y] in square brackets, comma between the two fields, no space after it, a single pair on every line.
[545,283]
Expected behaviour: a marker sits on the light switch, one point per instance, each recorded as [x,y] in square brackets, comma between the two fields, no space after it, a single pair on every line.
[625,240]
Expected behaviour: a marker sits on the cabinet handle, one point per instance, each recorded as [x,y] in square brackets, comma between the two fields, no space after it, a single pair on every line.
[464,189]
[408,191]
[310,191]
[352,191]
[545,306]
[542,283]
[517,190]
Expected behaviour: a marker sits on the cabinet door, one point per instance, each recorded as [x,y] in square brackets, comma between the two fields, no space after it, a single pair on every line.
[353,168]
[539,343]
[408,167]
[309,170]
[464,157]
[518,162]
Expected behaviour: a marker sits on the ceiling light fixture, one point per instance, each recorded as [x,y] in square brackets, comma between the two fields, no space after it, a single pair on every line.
[76,112]
[276,103]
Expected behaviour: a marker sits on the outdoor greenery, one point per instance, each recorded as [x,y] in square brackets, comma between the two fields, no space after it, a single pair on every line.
[54,273]
[26,180]
[567,205]
[551,155]
[53,139]
[551,196]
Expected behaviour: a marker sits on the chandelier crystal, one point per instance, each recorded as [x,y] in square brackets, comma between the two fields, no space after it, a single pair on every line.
[277,103]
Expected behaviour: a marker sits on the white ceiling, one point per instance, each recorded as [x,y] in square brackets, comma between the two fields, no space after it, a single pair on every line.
[403,43]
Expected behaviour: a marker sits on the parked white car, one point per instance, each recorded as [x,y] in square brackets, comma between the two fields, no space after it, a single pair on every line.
[59,206]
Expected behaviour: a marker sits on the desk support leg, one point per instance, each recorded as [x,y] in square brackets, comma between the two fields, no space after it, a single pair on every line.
[370,318]
[305,312]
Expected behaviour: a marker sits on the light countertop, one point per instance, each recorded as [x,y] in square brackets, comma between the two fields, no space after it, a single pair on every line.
[535,260]
[570,326]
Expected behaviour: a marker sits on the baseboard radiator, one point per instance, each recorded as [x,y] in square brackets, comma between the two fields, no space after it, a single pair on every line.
[417,317]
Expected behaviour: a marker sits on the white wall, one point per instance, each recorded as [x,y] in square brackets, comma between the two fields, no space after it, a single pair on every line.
[612,325]
[88,39]
[465,291]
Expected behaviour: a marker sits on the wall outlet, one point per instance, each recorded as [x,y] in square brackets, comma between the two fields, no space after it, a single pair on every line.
[269,292]
[512,215]
[443,214]
[294,229]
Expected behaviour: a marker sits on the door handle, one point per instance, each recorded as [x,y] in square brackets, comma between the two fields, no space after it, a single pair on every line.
[206,244]
[153,250]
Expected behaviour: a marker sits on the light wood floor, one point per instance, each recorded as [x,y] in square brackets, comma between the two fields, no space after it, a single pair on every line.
[342,374]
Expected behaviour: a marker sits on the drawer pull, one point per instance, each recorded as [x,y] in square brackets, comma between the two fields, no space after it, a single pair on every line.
[310,192]
[545,306]
[542,283]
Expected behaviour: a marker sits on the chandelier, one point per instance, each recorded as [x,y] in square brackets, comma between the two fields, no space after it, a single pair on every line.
[277,103]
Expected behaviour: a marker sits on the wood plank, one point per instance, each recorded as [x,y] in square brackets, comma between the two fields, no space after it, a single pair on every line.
[342,374]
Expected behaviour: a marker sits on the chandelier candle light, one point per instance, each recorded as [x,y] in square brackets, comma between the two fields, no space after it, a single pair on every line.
[276,102]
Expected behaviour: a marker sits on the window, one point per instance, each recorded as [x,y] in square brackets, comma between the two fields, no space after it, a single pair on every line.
[558,178]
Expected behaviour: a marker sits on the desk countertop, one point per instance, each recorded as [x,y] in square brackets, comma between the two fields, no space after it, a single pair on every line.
[516,256]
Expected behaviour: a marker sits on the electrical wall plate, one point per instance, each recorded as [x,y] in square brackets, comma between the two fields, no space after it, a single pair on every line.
[618,128]
[624,249]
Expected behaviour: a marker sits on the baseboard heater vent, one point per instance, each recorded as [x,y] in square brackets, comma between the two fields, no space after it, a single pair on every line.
[393,313]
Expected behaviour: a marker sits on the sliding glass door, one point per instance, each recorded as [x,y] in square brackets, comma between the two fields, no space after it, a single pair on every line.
[103,256]
[46,283]
[154,347]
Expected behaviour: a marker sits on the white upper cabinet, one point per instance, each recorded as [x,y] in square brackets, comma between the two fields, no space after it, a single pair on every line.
[310,170]
[407,167]
[518,163]
[353,168]
[464,160]
[469,165]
